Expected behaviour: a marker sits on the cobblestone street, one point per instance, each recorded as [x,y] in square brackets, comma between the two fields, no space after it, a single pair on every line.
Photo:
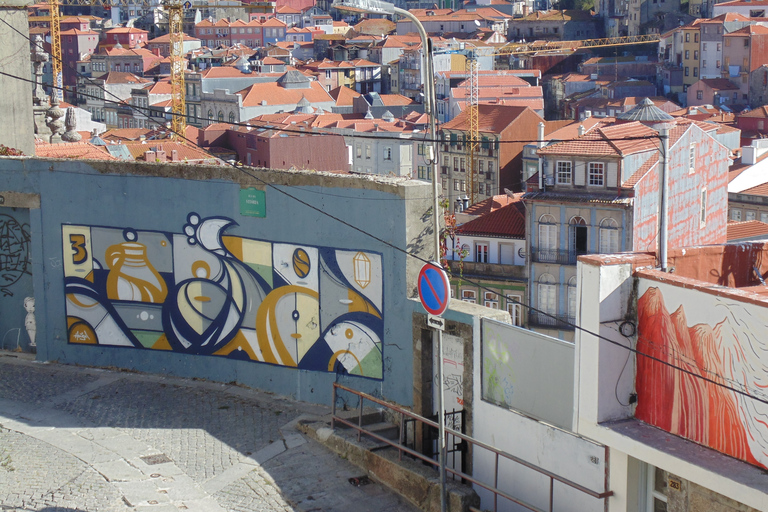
[83,439]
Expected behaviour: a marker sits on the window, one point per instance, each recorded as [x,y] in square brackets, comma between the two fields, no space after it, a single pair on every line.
[456,185]
[695,71]
[367,151]
[564,173]
[687,54]
[572,300]
[578,236]
[656,490]
[687,72]
[547,291]
[231,117]
[695,37]
[692,159]
[514,307]
[704,45]
[358,151]
[703,63]
[420,149]
[547,238]
[717,64]
[699,95]
[463,185]
[750,215]
[596,174]
[687,37]
[490,170]
[469,296]
[481,252]
[609,236]
[695,55]
[764,217]
[736,215]
[210,115]
[387,153]
[491,300]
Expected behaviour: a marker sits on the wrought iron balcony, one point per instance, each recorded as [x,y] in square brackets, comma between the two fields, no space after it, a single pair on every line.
[555,321]
[559,256]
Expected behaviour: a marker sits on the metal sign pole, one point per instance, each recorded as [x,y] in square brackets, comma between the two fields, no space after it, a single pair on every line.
[441,420]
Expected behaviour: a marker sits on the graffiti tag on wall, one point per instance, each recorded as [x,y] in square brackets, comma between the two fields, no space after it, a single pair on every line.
[14,253]
[204,292]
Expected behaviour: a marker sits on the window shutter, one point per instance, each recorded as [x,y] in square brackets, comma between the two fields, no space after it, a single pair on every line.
[611,175]
[579,173]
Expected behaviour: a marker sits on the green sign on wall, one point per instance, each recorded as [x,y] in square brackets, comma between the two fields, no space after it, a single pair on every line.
[253,202]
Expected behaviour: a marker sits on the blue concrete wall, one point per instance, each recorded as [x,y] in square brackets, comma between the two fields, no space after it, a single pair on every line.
[75,195]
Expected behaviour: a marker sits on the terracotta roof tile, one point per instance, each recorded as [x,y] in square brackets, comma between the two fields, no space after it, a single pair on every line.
[344,96]
[746,229]
[274,94]
[507,221]
[491,118]
[79,150]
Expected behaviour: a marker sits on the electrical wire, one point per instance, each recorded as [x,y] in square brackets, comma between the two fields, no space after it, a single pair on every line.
[279,189]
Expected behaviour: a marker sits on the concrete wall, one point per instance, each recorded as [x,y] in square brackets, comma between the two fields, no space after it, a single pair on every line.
[16,100]
[213,279]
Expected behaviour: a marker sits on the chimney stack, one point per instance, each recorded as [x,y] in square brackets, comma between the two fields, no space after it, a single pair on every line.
[541,135]
[581,130]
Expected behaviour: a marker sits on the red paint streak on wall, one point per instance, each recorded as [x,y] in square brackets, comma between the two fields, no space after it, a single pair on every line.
[678,402]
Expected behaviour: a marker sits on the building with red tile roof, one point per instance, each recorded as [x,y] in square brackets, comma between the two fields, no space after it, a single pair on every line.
[745,231]
[598,192]
[128,37]
[78,150]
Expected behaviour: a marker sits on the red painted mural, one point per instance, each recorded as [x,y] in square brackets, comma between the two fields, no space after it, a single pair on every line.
[679,400]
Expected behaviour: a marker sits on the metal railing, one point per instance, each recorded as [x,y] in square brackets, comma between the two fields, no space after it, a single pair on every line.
[560,256]
[473,443]
[539,319]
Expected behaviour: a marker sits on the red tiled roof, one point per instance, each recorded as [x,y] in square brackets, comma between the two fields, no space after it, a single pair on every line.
[505,221]
[761,112]
[167,38]
[642,171]
[274,94]
[122,77]
[79,150]
[344,96]
[77,32]
[614,140]
[746,229]
[719,84]
[491,118]
[489,205]
[186,152]
[395,100]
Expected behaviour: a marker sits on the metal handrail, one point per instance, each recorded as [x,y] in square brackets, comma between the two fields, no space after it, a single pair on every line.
[474,442]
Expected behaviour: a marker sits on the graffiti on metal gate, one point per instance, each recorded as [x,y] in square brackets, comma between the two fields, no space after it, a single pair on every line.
[14,253]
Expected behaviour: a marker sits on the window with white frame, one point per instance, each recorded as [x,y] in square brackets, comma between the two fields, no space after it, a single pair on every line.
[764,217]
[387,153]
[736,215]
[515,308]
[469,296]
[367,151]
[703,209]
[491,300]
[564,173]
[481,252]
[609,236]
[596,174]
[750,215]
[692,159]
[359,151]
[547,234]
[547,292]
[656,490]
[572,300]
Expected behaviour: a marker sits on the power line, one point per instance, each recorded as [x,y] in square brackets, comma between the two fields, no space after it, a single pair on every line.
[242,168]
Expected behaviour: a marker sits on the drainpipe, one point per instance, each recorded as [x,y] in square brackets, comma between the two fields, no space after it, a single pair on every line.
[540,144]
[664,188]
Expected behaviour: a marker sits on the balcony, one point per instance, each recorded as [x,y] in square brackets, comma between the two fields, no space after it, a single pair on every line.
[497,271]
[559,256]
[554,321]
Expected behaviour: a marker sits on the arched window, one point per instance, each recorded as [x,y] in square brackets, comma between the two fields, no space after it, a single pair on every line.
[231,117]
[578,237]
[609,236]
[210,115]
[221,116]
[547,303]
[572,300]
[547,251]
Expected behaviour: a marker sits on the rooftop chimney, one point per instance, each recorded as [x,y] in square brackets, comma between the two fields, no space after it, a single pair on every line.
[540,138]
[581,130]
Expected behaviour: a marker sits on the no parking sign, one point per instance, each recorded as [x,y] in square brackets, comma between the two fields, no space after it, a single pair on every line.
[434,289]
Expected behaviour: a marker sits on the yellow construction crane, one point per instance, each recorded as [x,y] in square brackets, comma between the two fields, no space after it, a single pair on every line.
[473,132]
[175,10]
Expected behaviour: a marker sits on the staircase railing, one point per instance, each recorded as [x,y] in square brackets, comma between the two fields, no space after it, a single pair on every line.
[474,443]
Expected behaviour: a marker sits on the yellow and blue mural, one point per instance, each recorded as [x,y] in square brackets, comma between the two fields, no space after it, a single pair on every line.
[203,292]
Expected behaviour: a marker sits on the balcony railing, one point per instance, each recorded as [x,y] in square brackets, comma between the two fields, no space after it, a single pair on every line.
[540,319]
[559,256]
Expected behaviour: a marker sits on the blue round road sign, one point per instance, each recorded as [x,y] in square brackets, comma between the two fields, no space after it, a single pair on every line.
[434,289]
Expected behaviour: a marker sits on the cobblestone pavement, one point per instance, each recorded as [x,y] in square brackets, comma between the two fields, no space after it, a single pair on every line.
[78,439]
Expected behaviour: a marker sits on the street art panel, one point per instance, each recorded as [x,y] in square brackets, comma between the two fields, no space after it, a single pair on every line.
[201,291]
[528,372]
[712,338]
[16,291]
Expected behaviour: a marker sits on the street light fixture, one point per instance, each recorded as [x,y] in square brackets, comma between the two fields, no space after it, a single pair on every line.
[428,72]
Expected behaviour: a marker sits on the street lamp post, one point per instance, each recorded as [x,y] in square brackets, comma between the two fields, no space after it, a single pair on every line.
[428,72]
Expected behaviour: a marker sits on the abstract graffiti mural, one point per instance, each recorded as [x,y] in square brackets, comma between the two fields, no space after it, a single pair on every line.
[725,343]
[14,252]
[203,292]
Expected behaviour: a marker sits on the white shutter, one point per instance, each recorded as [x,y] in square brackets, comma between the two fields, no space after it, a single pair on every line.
[547,299]
[507,254]
[547,236]
[579,173]
[611,175]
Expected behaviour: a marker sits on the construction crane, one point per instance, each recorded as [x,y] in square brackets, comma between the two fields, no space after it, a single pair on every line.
[175,10]
[473,133]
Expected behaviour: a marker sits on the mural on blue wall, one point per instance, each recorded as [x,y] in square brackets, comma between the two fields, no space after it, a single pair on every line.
[14,253]
[204,292]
